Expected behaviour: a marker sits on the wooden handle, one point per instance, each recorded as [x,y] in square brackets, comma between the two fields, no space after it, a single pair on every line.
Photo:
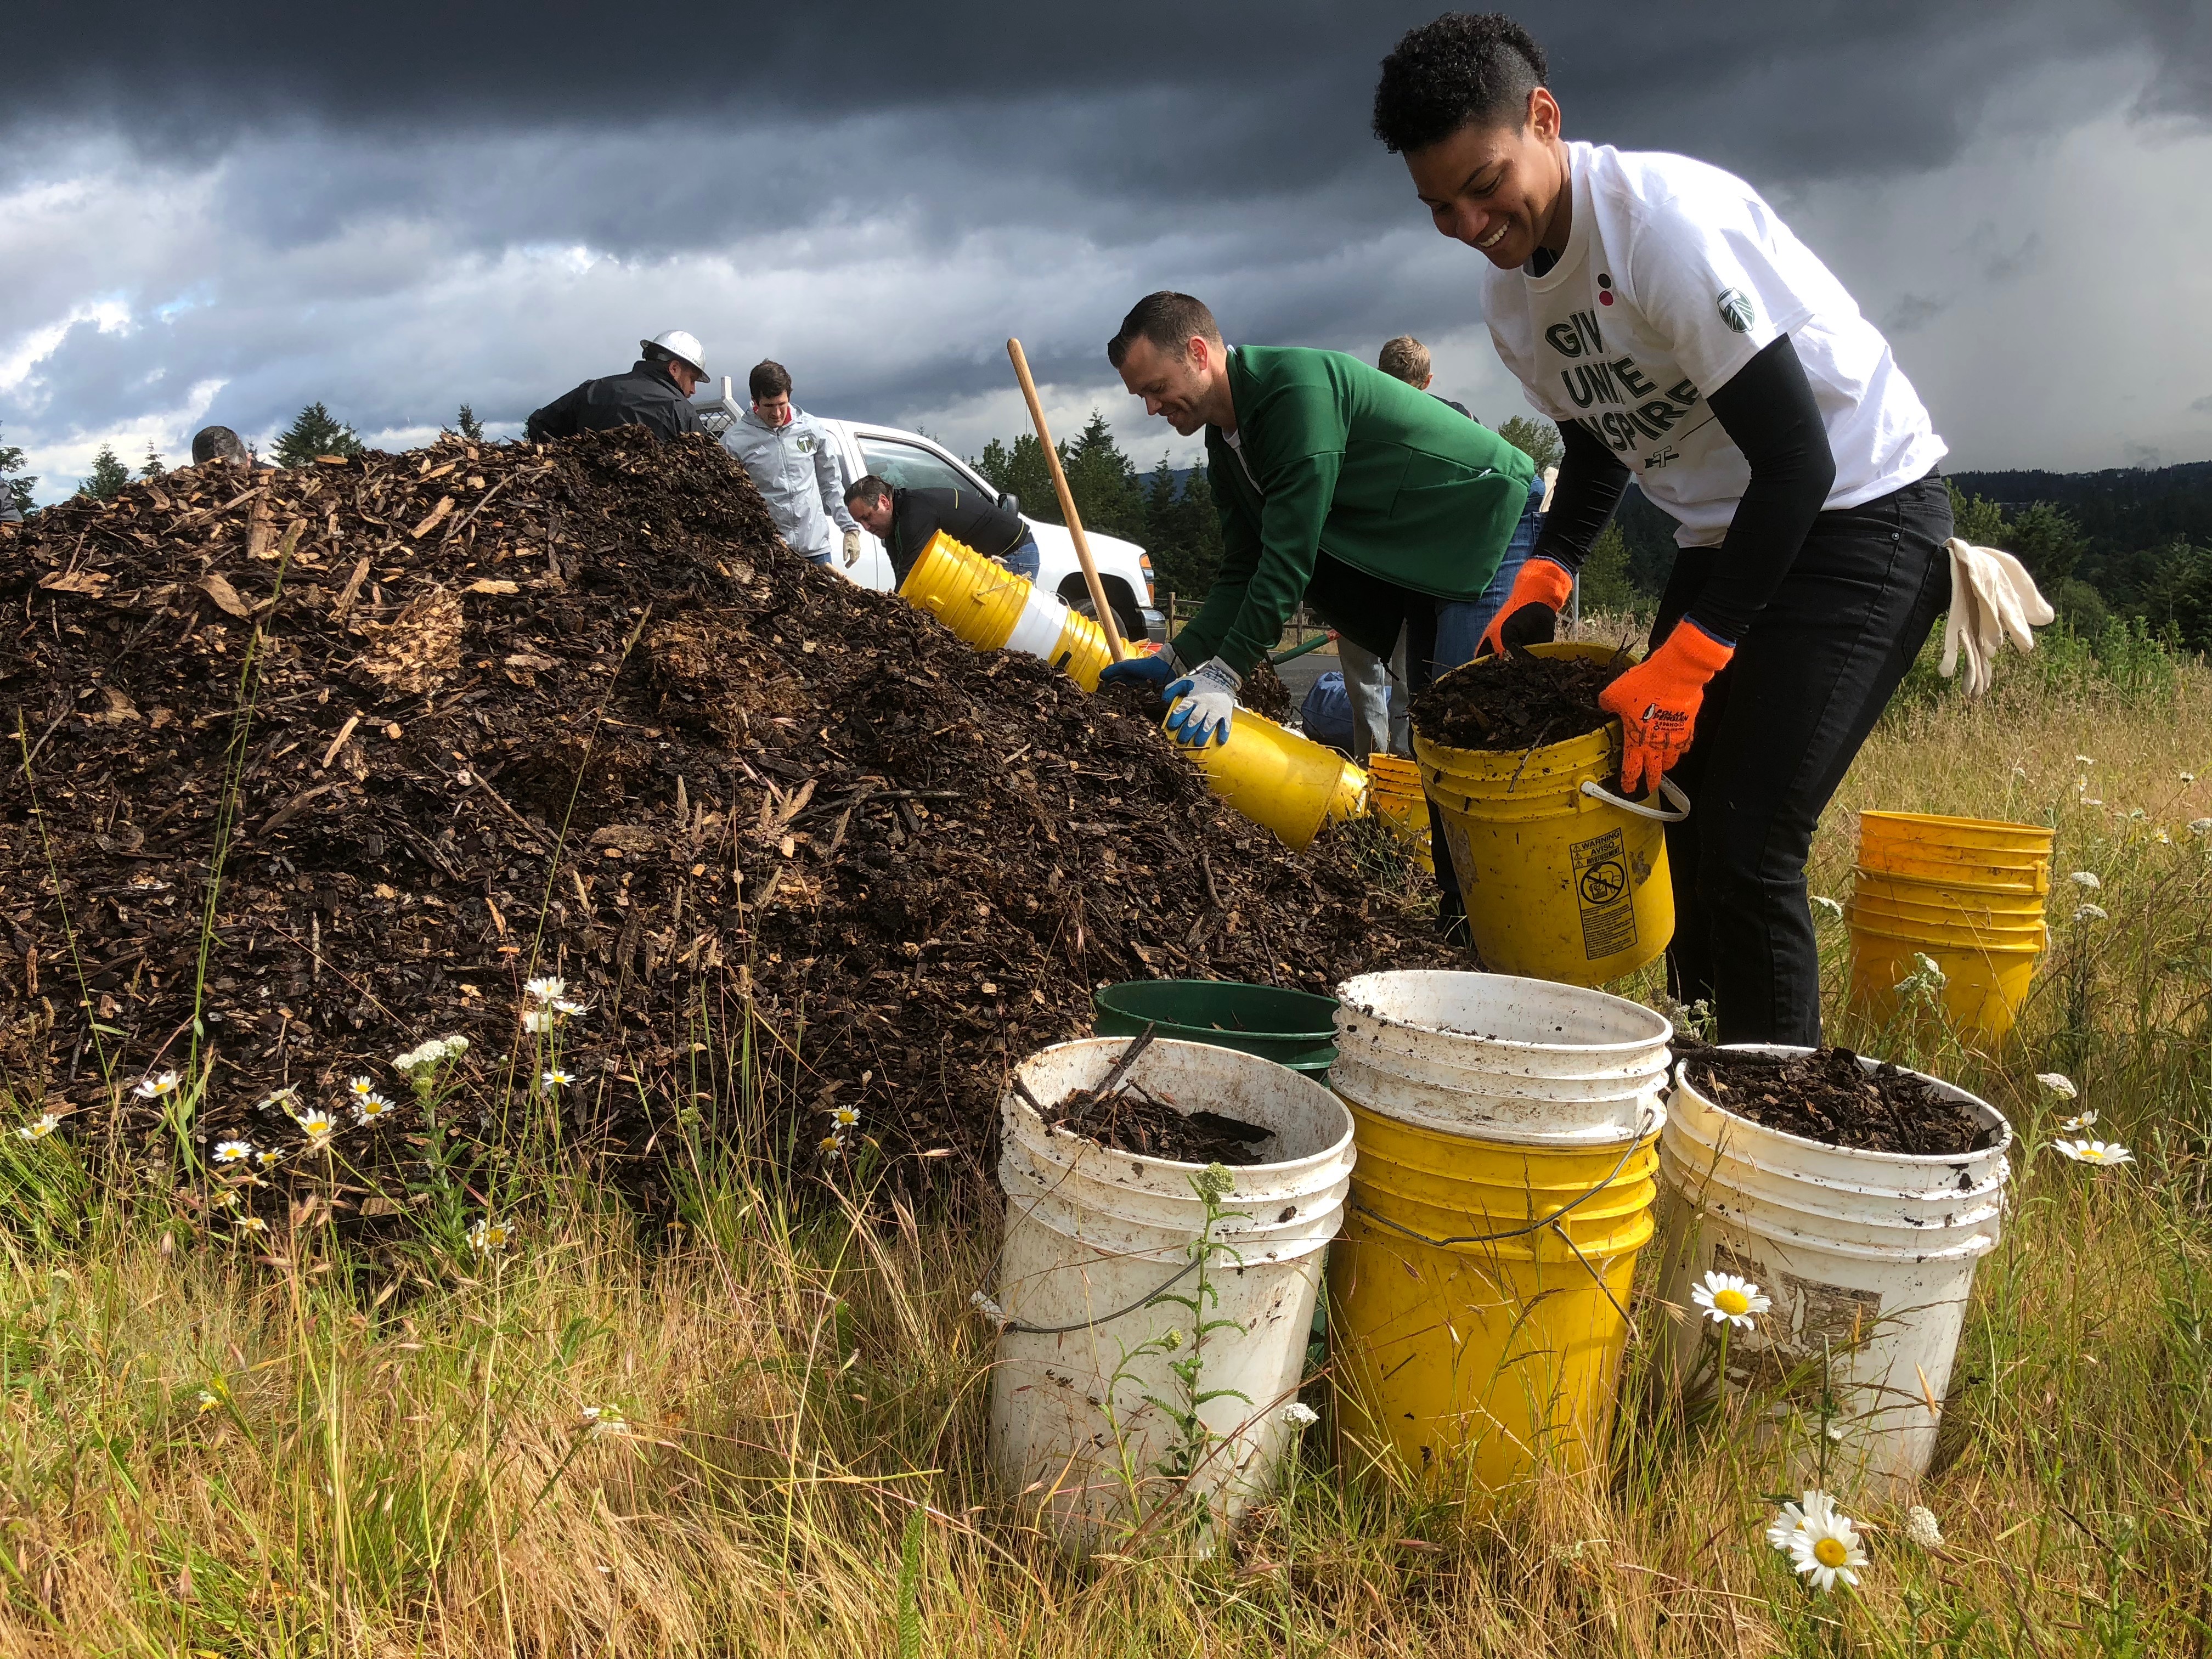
[1106,621]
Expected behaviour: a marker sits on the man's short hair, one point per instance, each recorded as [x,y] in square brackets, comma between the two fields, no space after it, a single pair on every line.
[867,488]
[1169,320]
[1467,68]
[769,379]
[1405,359]
[214,443]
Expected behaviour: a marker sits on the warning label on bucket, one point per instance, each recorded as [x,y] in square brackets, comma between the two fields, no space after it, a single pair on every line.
[1600,868]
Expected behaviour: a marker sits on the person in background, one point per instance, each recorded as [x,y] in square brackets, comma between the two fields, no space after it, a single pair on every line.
[903,520]
[794,466]
[1460,626]
[220,443]
[656,394]
[1662,313]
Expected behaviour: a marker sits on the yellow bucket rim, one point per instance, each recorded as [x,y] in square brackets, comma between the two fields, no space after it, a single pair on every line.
[1936,947]
[1972,835]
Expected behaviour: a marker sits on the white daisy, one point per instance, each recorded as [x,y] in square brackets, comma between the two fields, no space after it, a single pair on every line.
[538,1020]
[270,1159]
[832,1144]
[1727,1299]
[546,989]
[562,1005]
[370,1109]
[316,1124]
[1825,1546]
[2101,1152]
[153,1087]
[252,1224]
[489,1237]
[555,1078]
[39,1126]
[847,1116]
[360,1086]
[232,1151]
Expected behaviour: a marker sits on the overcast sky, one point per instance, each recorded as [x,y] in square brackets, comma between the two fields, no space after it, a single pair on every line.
[222,215]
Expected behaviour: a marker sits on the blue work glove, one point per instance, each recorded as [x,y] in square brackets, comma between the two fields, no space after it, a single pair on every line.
[1154,669]
[1204,699]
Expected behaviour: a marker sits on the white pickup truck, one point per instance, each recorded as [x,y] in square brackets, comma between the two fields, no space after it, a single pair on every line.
[907,460]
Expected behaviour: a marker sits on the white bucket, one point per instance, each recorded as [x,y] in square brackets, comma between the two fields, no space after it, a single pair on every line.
[1869,1258]
[1524,1061]
[1092,1235]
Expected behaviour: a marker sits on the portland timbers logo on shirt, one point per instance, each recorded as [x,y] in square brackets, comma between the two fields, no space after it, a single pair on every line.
[1736,309]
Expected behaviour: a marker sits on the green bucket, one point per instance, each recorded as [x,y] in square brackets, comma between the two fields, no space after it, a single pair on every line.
[1295,1028]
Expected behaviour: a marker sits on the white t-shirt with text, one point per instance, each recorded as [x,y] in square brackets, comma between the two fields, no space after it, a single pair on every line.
[1675,275]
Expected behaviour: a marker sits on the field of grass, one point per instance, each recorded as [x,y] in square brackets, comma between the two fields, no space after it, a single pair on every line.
[761,1433]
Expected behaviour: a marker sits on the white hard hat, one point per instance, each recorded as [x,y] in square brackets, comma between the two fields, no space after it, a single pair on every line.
[678,344]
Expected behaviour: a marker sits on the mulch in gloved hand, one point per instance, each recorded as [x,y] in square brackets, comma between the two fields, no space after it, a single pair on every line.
[1264,693]
[574,709]
[1518,701]
[1827,1096]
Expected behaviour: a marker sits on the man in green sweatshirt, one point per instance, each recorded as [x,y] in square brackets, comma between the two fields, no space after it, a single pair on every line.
[1336,484]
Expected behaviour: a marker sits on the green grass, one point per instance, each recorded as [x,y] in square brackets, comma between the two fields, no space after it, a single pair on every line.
[231,1447]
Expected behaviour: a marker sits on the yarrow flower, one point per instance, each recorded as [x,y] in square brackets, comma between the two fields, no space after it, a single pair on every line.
[1727,1299]
[39,1126]
[1927,975]
[1820,1541]
[2200,826]
[232,1151]
[2101,1152]
[2087,881]
[603,1420]
[1920,1525]
[2058,1083]
[153,1088]
[1826,906]
[2091,913]
[489,1237]
[1299,1415]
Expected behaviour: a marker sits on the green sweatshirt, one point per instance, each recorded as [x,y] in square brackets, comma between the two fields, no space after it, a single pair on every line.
[1345,461]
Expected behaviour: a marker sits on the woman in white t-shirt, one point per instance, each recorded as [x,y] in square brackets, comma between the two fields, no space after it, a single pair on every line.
[1667,319]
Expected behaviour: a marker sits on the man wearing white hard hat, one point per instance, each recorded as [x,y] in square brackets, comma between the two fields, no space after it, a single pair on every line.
[656,394]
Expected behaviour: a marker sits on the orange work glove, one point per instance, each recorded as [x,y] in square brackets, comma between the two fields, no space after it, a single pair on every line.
[1531,611]
[1658,701]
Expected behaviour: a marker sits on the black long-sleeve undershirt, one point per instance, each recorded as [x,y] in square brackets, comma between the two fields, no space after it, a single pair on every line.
[1768,409]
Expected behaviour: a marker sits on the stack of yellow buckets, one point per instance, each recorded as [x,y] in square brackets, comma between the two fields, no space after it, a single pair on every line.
[1279,780]
[1393,794]
[1968,894]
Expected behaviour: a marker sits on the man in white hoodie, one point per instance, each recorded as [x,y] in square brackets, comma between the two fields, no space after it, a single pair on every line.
[794,466]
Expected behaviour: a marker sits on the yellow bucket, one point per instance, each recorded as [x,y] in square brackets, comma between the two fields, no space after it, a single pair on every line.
[1492,1358]
[991,608]
[1978,900]
[1280,781]
[1968,837]
[1562,879]
[1393,794]
[1985,985]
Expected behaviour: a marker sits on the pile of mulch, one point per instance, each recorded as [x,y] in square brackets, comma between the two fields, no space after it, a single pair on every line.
[1828,1096]
[379,738]
[1517,700]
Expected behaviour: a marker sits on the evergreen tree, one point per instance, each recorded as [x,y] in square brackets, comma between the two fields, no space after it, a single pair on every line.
[1538,440]
[315,432]
[1182,532]
[468,426]
[152,466]
[14,481]
[107,476]
[1103,482]
[1020,469]
[1606,586]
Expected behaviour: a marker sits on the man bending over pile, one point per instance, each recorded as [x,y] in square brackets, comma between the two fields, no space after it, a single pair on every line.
[903,520]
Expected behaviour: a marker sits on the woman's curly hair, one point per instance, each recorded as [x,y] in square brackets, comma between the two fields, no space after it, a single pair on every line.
[1465,68]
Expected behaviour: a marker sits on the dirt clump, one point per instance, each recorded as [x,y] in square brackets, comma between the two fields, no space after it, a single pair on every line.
[314,764]
[1264,693]
[1517,700]
[1827,1096]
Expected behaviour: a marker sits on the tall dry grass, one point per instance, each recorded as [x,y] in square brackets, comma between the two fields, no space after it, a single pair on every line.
[206,1452]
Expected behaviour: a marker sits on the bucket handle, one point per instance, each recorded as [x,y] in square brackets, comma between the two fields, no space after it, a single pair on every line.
[1668,789]
[997,1316]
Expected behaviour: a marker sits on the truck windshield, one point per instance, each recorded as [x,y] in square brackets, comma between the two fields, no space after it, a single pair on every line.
[909,466]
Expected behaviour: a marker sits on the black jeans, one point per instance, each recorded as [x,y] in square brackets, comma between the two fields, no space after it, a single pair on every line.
[1372,612]
[1778,730]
